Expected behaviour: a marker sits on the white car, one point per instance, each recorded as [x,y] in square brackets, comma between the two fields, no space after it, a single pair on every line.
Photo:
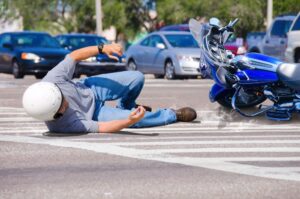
[165,53]
[292,53]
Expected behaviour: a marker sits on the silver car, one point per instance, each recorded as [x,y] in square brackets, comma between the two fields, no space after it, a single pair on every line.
[165,53]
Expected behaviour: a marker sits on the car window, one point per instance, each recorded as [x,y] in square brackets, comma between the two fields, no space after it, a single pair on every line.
[5,39]
[35,40]
[145,42]
[61,40]
[84,41]
[280,28]
[182,41]
[297,24]
[155,39]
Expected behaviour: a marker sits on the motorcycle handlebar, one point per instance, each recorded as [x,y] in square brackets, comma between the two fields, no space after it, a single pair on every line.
[229,27]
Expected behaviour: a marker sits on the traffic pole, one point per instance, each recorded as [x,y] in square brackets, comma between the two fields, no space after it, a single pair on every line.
[269,13]
[98,17]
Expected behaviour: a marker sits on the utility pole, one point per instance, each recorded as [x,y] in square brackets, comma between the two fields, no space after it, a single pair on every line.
[98,17]
[269,13]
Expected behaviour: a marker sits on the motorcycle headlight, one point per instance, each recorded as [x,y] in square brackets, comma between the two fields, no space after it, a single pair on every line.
[31,56]
[91,59]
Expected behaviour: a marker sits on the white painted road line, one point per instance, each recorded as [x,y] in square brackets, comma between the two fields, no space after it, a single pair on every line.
[219,137]
[177,85]
[227,150]
[227,142]
[222,164]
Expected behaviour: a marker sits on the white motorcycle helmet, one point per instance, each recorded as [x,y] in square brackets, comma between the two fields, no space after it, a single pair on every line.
[42,100]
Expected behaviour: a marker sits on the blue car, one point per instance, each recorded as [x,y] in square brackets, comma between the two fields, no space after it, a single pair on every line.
[26,52]
[95,65]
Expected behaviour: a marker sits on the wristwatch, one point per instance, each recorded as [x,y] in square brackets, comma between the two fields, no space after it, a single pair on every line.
[100,48]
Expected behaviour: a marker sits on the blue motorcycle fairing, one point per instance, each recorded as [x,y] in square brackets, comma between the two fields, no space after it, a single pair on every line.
[216,90]
[256,77]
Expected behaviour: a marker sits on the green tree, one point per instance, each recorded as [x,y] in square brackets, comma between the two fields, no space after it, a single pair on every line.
[249,12]
[286,7]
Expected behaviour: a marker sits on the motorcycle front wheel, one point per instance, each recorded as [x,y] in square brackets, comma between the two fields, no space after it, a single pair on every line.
[225,100]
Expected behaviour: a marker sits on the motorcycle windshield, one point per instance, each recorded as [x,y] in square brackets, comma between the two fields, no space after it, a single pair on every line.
[226,36]
[199,30]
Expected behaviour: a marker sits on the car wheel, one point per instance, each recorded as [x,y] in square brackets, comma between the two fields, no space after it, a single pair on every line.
[131,65]
[297,57]
[159,76]
[39,75]
[17,70]
[169,70]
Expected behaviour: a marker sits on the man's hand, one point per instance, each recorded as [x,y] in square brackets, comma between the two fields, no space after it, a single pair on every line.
[136,115]
[111,49]
[117,125]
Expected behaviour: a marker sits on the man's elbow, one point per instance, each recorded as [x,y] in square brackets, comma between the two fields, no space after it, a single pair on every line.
[75,56]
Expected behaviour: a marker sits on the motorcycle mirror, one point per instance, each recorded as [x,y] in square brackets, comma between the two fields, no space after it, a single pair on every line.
[214,22]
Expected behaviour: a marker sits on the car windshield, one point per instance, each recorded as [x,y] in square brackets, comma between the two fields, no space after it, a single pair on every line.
[280,28]
[181,41]
[35,40]
[80,42]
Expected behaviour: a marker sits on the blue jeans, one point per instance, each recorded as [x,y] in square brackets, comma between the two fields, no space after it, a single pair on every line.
[124,87]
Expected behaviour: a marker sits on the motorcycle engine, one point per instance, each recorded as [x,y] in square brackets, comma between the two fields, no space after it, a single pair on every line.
[247,96]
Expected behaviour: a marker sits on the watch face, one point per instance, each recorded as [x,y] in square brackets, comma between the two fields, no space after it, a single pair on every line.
[100,48]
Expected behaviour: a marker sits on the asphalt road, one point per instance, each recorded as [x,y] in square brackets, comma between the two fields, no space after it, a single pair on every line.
[220,155]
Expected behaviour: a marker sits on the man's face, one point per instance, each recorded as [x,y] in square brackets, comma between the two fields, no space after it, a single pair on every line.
[64,106]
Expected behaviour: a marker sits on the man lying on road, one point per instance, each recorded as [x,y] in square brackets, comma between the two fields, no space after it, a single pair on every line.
[79,107]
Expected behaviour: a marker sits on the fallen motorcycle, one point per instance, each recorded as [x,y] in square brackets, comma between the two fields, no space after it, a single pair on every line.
[246,80]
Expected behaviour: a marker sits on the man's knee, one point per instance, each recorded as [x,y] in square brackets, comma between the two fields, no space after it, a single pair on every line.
[138,77]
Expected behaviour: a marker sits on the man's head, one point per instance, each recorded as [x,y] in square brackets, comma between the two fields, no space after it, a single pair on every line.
[44,101]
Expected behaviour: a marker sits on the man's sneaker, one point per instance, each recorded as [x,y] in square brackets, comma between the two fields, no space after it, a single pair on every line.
[147,108]
[185,114]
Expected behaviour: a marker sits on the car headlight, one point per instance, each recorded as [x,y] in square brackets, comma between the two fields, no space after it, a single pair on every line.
[91,59]
[241,50]
[123,60]
[31,56]
[184,58]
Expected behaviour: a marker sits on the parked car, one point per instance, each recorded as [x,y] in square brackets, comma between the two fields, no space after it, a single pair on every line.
[292,53]
[275,40]
[235,45]
[94,65]
[231,45]
[253,38]
[23,53]
[165,53]
[176,27]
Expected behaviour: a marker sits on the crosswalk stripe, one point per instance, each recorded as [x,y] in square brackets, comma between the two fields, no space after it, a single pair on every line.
[226,150]
[169,143]
[224,164]
[177,85]
[192,137]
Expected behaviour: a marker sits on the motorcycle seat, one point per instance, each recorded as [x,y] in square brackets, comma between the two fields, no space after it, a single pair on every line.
[289,74]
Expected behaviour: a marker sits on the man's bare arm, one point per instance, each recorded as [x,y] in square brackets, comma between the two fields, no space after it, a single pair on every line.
[84,53]
[117,125]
